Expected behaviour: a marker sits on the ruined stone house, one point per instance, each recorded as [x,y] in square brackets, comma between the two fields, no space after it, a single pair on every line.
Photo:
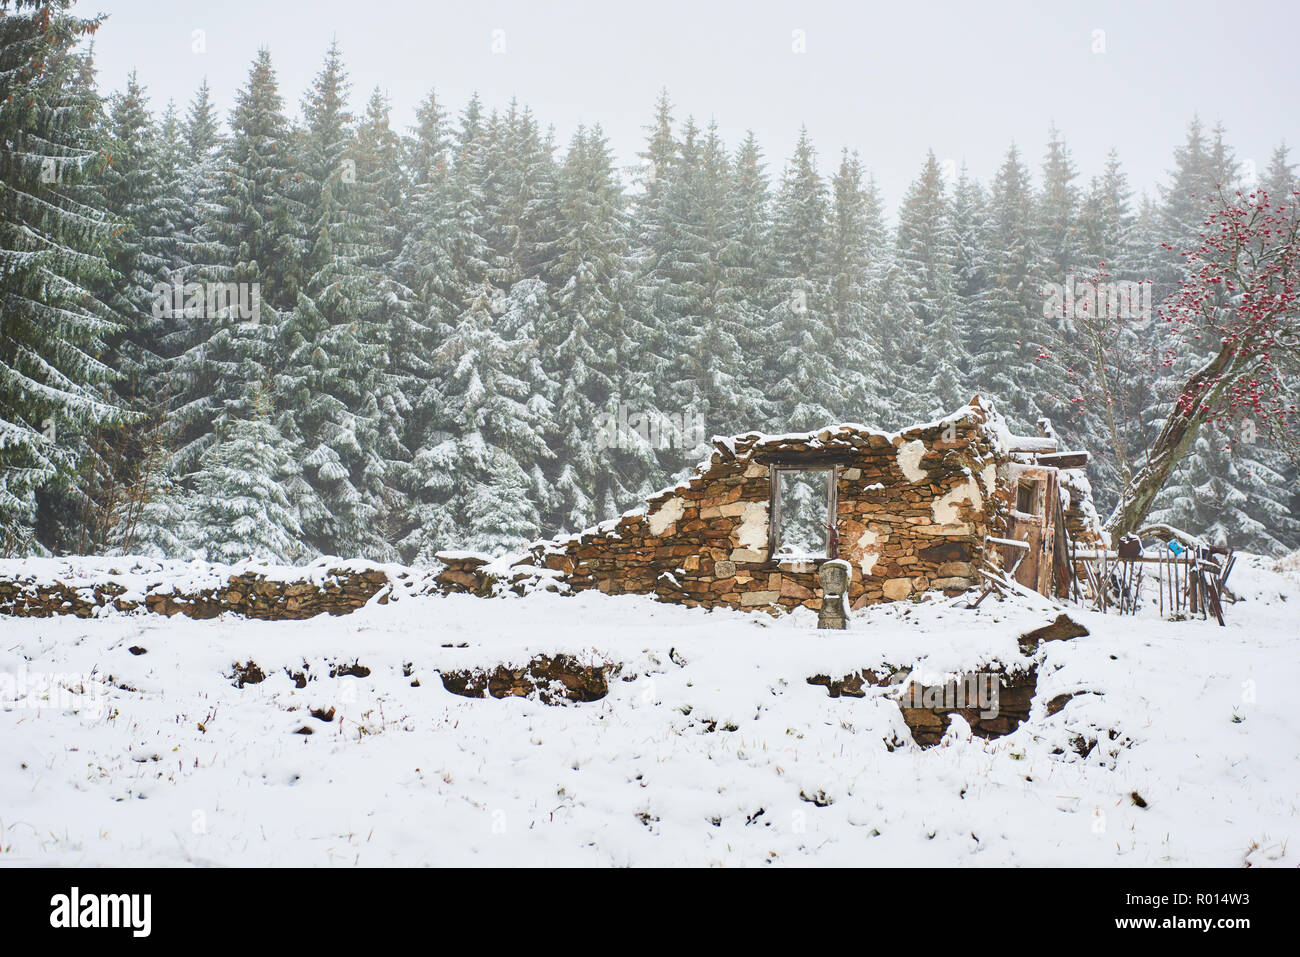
[924,509]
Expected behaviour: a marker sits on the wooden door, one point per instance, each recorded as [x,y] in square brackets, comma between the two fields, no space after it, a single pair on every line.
[1033,521]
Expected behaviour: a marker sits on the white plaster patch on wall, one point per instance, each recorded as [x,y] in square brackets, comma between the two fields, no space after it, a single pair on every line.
[990,476]
[752,531]
[945,508]
[667,513]
[869,544]
[909,460]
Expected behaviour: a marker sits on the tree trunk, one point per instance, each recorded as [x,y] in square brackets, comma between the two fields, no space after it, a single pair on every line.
[1176,437]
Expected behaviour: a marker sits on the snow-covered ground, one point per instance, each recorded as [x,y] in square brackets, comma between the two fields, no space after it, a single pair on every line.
[707,749]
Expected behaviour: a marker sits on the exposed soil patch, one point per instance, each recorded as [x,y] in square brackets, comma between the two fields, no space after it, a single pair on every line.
[246,674]
[1061,700]
[992,703]
[353,670]
[854,685]
[1064,627]
[553,679]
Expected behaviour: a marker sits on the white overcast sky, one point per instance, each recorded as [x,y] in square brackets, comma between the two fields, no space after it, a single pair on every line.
[890,80]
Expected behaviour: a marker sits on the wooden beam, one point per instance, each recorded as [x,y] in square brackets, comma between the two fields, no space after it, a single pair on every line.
[807,460]
[1064,460]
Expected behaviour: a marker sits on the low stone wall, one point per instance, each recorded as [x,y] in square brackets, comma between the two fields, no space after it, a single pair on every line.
[927,709]
[913,510]
[561,677]
[256,597]
[265,593]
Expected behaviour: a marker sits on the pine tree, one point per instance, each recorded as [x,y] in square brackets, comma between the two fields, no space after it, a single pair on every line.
[1202,167]
[475,184]
[1107,221]
[804,381]
[1010,336]
[381,190]
[653,311]
[1056,217]
[585,345]
[855,238]
[746,261]
[1233,494]
[244,504]
[328,391]
[1279,180]
[53,386]
[968,214]
[200,148]
[444,257]
[247,238]
[479,492]
[708,377]
[139,189]
[929,355]
[519,213]
[142,190]
[250,247]
[156,517]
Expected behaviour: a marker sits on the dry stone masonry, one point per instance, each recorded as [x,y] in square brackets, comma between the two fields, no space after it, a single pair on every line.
[88,588]
[913,510]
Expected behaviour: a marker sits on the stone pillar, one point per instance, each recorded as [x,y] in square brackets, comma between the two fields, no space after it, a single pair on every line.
[834,612]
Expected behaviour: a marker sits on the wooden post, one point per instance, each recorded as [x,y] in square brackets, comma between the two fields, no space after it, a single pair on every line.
[1160,580]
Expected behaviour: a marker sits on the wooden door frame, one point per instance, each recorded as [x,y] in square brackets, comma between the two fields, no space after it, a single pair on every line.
[1040,526]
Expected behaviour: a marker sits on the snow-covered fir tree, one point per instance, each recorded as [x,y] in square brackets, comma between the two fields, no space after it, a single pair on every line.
[1008,338]
[927,348]
[803,382]
[855,241]
[244,505]
[330,380]
[586,342]
[53,230]
[479,490]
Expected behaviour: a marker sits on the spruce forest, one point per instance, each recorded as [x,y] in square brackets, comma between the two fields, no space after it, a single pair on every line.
[296,330]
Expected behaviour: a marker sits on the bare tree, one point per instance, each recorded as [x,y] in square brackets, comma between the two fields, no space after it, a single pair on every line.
[1238,296]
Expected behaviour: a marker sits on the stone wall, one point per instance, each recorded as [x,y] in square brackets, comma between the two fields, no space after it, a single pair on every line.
[913,510]
[271,594]
[1081,518]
